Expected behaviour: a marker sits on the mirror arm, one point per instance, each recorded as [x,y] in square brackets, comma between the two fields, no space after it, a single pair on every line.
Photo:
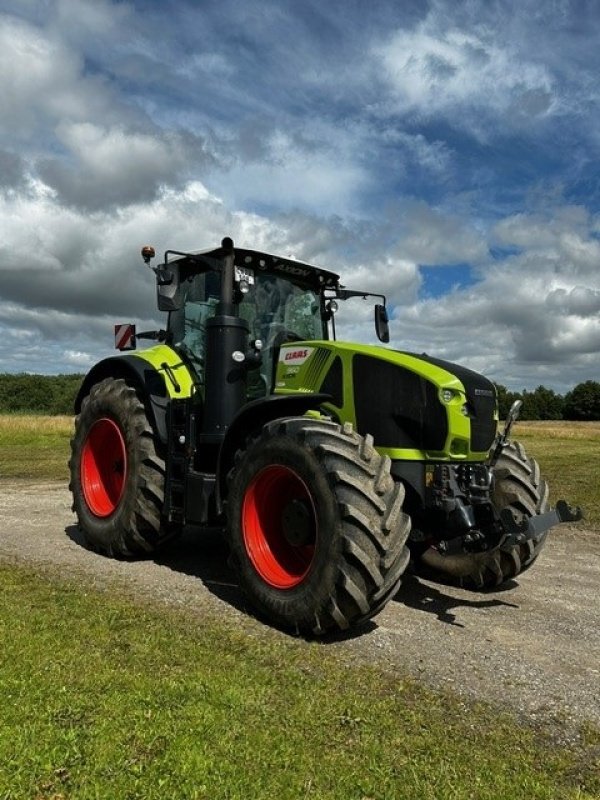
[344,294]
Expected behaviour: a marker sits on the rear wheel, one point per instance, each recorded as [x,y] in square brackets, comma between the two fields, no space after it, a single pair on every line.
[517,485]
[117,474]
[315,525]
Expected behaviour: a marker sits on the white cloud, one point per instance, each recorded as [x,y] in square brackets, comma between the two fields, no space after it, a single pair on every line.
[532,318]
[112,150]
[435,69]
[40,235]
[580,301]
[317,176]
[433,156]
[543,229]
[79,360]
[562,238]
[43,81]
[111,165]
[433,236]
[396,278]
[98,18]
[121,127]
[75,274]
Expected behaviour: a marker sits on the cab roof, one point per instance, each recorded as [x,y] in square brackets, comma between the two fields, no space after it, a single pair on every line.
[258,261]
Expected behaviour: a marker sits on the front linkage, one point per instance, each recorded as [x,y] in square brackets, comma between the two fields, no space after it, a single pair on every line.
[463,494]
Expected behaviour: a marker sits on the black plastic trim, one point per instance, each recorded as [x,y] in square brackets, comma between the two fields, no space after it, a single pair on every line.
[148,382]
[251,418]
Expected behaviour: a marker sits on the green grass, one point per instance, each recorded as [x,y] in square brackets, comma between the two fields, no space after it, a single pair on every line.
[105,698]
[34,446]
[569,457]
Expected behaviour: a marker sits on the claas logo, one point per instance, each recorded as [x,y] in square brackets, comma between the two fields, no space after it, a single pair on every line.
[296,354]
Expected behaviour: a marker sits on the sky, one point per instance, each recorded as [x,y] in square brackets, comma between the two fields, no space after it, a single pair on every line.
[443,153]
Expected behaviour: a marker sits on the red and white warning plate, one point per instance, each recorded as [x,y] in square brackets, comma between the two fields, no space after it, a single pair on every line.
[125,337]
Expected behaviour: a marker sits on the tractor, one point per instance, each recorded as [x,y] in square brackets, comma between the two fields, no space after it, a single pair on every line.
[328,465]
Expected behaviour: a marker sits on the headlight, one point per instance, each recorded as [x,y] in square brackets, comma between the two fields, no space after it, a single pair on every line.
[447,395]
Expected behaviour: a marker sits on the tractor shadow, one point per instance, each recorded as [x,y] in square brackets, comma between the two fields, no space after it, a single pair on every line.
[201,554]
[415,593]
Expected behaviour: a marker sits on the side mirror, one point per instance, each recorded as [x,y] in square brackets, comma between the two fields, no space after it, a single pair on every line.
[381,324]
[168,288]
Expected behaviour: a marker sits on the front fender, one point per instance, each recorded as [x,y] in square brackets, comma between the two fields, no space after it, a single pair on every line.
[252,418]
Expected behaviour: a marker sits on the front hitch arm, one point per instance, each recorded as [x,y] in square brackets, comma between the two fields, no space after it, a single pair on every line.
[510,530]
[519,531]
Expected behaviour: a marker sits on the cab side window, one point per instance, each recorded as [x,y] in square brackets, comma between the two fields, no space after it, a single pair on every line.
[188,324]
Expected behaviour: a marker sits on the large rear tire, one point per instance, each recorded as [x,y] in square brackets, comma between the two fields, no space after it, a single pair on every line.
[117,475]
[315,525]
[517,485]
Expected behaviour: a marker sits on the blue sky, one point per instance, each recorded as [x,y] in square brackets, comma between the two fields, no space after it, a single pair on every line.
[445,153]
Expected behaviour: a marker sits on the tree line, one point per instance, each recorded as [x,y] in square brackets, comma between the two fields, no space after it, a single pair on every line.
[581,403]
[55,394]
[39,394]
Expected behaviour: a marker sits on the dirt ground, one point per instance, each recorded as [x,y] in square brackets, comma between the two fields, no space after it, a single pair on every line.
[533,648]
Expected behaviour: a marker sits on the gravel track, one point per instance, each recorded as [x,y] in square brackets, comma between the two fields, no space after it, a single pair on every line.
[533,648]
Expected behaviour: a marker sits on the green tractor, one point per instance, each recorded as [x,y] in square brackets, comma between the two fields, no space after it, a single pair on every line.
[328,465]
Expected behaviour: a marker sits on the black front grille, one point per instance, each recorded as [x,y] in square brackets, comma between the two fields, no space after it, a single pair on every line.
[399,408]
[483,423]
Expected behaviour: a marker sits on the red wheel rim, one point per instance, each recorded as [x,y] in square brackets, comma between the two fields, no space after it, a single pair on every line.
[280,563]
[103,467]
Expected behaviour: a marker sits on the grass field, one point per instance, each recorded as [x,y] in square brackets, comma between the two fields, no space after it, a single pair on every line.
[569,454]
[33,446]
[103,697]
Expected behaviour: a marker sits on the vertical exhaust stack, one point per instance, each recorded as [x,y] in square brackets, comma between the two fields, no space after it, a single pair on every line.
[226,347]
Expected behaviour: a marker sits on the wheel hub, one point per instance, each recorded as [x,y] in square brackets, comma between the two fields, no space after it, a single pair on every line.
[297,523]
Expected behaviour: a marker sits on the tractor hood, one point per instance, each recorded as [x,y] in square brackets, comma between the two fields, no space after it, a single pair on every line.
[414,406]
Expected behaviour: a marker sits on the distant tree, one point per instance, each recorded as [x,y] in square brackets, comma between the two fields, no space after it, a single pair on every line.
[42,394]
[542,403]
[551,404]
[529,409]
[583,402]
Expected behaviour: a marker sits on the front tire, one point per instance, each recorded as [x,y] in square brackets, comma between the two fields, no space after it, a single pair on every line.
[315,526]
[518,486]
[117,475]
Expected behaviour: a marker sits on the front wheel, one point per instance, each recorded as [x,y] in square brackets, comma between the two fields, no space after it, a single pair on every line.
[315,525]
[117,474]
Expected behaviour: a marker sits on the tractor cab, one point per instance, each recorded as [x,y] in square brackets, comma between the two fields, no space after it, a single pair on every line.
[279,299]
